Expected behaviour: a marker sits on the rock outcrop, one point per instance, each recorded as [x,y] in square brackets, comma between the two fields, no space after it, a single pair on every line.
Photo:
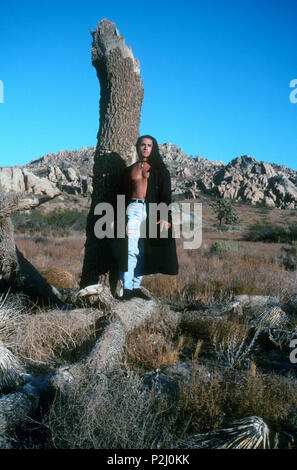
[243,179]
[69,171]
[248,180]
[20,180]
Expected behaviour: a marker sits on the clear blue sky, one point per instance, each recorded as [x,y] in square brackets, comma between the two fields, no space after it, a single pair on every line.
[216,75]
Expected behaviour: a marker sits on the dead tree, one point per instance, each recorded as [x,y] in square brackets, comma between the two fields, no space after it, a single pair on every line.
[17,274]
[120,107]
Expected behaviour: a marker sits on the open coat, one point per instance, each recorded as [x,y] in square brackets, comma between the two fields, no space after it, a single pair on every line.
[159,253]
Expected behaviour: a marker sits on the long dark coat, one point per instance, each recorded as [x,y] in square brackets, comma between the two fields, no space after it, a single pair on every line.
[159,253]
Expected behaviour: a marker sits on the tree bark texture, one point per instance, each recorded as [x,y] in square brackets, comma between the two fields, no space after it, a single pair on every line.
[120,109]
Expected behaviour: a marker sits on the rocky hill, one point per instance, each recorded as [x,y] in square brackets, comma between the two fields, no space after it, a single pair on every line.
[242,179]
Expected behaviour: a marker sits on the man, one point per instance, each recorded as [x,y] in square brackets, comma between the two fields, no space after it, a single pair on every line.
[145,184]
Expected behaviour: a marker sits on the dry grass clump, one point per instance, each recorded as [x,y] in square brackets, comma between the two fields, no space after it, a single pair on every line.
[102,412]
[148,350]
[164,287]
[151,345]
[52,338]
[58,277]
[11,307]
[11,369]
[210,401]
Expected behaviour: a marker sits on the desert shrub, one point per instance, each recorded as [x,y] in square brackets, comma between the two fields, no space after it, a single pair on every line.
[265,210]
[60,221]
[288,257]
[270,396]
[227,342]
[58,277]
[273,233]
[149,350]
[108,412]
[222,247]
[225,212]
[201,402]
[212,400]
[289,260]
[232,343]
[151,345]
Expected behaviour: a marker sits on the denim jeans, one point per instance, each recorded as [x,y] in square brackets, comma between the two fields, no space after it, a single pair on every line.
[136,213]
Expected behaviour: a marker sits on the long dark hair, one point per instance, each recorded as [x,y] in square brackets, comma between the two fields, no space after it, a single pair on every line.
[155,159]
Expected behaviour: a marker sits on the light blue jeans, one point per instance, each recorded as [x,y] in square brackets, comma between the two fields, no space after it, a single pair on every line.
[136,213]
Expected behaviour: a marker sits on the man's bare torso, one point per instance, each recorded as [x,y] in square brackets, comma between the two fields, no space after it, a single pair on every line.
[139,180]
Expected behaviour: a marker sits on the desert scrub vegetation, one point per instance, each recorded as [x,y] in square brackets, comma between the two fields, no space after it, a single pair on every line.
[234,346]
[117,411]
[207,277]
[227,342]
[58,222]
[271,232]
[152,345]
[288,257]
[213,400]
[223,246]
[107,412]
[147,348]
[225,213]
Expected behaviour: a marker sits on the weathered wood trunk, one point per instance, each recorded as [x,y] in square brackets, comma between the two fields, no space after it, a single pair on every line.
[120,107]
[17,274]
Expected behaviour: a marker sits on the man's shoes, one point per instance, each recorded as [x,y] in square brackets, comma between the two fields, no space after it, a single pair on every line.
[127,294]
[140,294]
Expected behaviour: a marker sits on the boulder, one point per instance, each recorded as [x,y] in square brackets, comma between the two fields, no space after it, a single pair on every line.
[36,185]
[12,179]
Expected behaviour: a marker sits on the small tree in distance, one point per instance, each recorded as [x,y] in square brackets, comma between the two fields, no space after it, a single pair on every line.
[225,212]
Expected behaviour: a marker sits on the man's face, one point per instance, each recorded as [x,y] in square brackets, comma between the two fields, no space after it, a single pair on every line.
[145,147]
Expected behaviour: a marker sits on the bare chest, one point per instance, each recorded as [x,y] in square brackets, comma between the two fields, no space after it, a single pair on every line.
[139,173]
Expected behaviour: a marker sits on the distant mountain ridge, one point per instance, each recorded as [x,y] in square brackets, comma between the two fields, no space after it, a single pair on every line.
[242,179]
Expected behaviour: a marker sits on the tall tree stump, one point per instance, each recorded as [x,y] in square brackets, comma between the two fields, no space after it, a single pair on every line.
[121,98]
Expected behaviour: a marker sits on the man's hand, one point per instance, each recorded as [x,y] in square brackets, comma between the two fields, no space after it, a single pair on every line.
[164,225]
